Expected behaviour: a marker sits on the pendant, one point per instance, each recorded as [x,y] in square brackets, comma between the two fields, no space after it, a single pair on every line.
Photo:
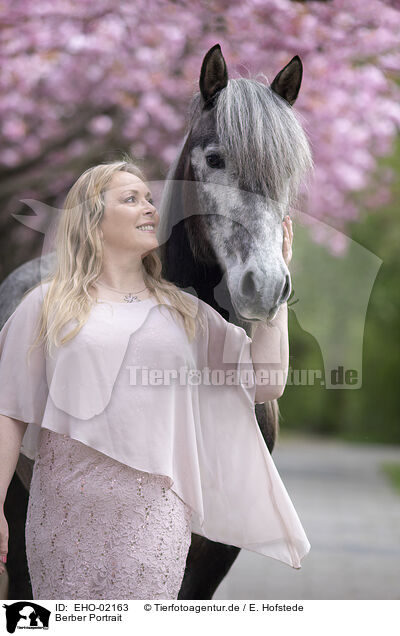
[130,298]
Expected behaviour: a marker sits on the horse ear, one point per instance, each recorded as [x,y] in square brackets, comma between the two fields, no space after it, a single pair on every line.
[287,83]
[213,75]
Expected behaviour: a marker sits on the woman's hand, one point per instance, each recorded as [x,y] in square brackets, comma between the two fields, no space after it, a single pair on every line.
[287,239]
[3,539]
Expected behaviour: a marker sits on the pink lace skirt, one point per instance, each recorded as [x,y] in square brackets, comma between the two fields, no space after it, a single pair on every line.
[98,529]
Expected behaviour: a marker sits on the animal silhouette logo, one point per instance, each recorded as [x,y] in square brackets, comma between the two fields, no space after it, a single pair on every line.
[25,614]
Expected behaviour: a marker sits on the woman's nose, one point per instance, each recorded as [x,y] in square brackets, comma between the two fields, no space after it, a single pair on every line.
[152,207]
[152,213]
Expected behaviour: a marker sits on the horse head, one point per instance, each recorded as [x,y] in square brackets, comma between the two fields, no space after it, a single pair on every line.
[237,173]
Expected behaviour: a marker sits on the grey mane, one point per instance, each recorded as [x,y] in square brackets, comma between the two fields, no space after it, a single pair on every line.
[262,136]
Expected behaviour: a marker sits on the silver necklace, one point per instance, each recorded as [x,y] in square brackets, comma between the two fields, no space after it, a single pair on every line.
[129,296]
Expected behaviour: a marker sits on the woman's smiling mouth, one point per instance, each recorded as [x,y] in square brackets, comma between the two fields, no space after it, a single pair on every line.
[146,227]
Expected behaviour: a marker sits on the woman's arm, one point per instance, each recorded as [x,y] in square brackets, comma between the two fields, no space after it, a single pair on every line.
[270,341]
[270,355]
[11,435]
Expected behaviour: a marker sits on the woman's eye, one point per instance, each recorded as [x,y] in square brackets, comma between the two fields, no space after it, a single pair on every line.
[215,161]
[133,197]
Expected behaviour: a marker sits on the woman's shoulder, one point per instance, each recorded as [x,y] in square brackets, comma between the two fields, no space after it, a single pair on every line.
[209,315]
[203,306]
[193,296]
[186,294]
[26,312]
[36,294]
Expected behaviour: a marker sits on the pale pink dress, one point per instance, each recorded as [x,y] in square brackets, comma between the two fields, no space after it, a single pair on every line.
[98,529]
[93,417]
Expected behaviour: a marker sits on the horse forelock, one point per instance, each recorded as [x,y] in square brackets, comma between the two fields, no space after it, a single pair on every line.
[262,137]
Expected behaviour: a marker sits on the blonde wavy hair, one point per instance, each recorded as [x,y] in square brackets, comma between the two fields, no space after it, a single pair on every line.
[79,257]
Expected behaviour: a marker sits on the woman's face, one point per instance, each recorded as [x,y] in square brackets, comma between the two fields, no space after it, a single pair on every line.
[128,205]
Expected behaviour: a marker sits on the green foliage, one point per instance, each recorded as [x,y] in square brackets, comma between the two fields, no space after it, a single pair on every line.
[370,413]
[392,472]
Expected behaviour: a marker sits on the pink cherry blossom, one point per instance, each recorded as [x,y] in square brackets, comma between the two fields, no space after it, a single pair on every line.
[80,80]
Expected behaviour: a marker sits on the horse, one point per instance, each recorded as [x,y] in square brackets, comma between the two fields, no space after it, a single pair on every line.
[239,169]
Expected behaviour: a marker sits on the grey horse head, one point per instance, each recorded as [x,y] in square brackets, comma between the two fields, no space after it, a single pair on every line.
[240,167]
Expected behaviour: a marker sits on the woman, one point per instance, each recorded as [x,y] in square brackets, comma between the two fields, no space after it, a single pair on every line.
[125,469]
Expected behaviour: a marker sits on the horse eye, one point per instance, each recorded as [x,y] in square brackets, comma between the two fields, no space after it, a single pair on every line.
[215,161]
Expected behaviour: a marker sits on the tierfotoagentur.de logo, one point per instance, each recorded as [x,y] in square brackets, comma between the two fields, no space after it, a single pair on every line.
[26,615]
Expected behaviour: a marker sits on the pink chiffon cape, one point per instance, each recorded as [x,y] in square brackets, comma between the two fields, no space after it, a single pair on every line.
[103,388]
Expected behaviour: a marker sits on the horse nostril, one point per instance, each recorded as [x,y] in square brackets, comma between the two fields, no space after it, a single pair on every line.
[286,290]
[247,285]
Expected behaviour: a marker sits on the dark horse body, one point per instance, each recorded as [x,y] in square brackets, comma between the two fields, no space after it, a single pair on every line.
[221,235]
